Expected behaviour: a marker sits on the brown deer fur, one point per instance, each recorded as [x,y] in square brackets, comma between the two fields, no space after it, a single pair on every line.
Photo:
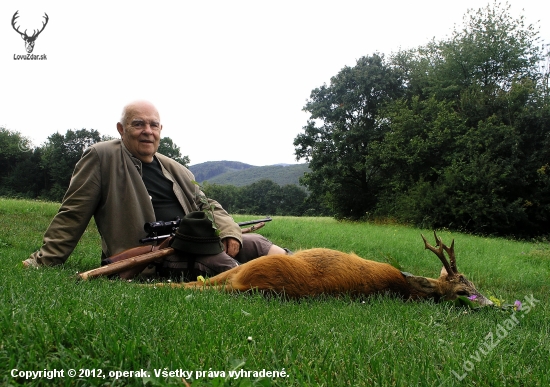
[323,271]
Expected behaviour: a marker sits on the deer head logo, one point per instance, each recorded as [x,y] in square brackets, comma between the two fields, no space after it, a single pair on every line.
[29,40]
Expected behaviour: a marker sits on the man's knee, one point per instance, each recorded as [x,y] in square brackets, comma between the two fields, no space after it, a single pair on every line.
[274,249]
[254,246]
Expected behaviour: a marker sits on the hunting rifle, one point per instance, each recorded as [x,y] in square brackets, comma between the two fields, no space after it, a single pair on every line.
[134,260]
[167,229]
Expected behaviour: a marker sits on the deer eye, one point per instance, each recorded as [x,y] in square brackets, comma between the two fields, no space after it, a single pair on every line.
[463,293]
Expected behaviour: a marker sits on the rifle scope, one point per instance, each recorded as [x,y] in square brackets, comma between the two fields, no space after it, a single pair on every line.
[161,227]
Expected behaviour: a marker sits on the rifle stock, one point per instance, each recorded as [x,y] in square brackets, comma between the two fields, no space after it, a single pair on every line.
[136,262]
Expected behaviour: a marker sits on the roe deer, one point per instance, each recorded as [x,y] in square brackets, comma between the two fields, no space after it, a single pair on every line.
[323,271]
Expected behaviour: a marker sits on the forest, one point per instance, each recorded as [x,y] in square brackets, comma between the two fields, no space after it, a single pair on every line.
[44,173]
[452,134]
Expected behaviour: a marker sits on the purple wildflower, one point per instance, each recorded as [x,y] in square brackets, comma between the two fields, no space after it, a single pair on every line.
[517,305]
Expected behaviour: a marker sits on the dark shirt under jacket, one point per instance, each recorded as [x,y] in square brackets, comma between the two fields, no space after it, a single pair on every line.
[162,194]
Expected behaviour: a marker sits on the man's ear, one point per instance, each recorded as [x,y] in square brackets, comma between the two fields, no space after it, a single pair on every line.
[421,284]
[120,128]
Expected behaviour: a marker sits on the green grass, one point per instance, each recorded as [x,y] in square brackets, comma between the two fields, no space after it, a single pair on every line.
[48,320]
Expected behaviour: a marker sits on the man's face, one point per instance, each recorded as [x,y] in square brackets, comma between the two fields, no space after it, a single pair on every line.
[140,130]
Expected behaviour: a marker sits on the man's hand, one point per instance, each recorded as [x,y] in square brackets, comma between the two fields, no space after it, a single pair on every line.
[30,263]
[232,246]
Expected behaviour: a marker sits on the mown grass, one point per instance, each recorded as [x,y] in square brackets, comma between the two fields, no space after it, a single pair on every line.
[48,320]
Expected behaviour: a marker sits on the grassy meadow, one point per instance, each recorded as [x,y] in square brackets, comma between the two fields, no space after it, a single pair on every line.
[55,330]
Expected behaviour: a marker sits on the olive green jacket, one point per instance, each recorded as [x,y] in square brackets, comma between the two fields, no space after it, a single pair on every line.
[107,185]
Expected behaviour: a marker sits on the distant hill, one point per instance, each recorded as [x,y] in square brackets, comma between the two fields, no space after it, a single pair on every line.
[210,169]
[240,174]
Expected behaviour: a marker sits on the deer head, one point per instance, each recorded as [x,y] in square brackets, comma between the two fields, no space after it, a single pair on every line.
[450,283]
[29,40]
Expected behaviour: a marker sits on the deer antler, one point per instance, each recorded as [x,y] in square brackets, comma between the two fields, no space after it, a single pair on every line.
[35,33]
[451,252]
[15,16]
[438,250]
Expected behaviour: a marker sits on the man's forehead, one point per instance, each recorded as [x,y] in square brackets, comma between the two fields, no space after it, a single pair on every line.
[143,115]
[136,119]
[139,108]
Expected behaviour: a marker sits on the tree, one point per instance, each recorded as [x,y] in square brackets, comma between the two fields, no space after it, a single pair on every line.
[226,195]
[467,148]
[19,173]
[262,197]
[60,154]
[344,121]
[13,147]
[476,189]
[417,148]
[26,178]
[479,64]
[292,201]
[452,134]
[169,149]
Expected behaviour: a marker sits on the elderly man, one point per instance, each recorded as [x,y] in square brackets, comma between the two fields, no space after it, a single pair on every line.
[124,184]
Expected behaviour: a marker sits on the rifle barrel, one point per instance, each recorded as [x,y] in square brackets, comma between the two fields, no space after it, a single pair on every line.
[268,219]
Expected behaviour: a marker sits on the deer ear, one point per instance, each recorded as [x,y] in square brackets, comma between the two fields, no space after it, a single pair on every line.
[443,272]
[421,284]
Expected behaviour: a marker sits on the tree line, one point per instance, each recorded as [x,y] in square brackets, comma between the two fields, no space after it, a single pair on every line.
[265,197]
[452,134]
[44,172]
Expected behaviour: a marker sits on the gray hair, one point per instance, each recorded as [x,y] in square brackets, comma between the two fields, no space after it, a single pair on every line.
[125,110]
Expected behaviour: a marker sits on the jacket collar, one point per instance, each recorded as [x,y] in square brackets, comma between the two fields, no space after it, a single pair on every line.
[137,162]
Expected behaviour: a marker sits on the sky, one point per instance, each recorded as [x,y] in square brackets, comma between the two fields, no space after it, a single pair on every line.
[229,78]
